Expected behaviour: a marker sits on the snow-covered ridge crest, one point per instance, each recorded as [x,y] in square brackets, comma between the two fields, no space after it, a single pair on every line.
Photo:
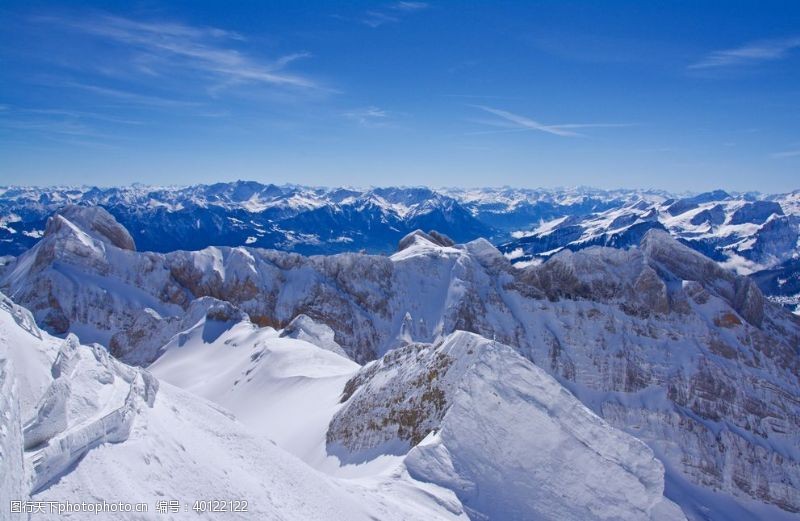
[500,432]
[747,231]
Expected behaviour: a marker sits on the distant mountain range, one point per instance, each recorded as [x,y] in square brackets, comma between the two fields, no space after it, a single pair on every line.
[747,232]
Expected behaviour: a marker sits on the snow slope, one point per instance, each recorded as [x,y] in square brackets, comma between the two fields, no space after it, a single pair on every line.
[113,433]
[290,390]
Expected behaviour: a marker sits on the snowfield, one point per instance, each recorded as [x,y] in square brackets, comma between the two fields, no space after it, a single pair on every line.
[179,446]
[290,390]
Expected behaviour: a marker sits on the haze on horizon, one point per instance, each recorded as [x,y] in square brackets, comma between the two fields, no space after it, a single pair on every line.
[678,96]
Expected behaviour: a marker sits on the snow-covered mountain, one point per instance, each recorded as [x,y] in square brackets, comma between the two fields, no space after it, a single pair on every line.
[748,232]
[658,340]
[292,218]
[85,425]
[267,378]
[78,425]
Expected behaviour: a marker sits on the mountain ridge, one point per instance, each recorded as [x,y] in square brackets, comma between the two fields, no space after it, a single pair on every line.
[747,232]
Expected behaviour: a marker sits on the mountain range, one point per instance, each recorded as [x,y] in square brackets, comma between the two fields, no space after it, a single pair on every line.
[600,383]
[750,233]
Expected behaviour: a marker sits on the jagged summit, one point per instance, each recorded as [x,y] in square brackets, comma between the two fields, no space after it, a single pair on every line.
[432,237]
[95,221]
[741,293]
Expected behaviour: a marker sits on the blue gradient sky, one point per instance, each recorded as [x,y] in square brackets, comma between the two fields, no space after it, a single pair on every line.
[674,95]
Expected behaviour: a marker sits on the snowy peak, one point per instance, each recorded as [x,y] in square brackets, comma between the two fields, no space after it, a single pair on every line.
[420,238]
[95,222]
[740,292]
[492,426]
[745,232]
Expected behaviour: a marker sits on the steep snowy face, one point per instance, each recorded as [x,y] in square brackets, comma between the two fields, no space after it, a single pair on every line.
[499,431]
[71,398]
[78,425]
[82,277]
[99,224]
[658,340]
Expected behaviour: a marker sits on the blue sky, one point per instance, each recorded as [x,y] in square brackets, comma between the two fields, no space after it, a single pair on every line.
[674,95]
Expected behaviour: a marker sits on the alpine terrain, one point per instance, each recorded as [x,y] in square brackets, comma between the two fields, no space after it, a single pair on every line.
[635,379]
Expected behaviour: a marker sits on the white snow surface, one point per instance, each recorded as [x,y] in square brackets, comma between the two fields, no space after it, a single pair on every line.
[289,390]
[177,445]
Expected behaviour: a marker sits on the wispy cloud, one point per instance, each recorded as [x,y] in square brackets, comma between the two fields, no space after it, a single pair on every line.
[410,6]
[516,123]
[370,117]
[391,13]
[132,97]
[748,54]
[55,128]
[80,114]
[160,47]
[786,153]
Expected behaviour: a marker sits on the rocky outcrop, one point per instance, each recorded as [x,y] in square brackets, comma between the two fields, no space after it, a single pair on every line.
[100,224]
[756,212]
[713,216]
[141,342]
[303,327]
[496,429]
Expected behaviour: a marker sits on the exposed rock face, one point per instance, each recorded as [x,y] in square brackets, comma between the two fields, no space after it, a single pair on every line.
[713,216]
[100,224]
[498,430]
[756,212]
[696,351]
[304,328]
[141,342]
[777,236]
